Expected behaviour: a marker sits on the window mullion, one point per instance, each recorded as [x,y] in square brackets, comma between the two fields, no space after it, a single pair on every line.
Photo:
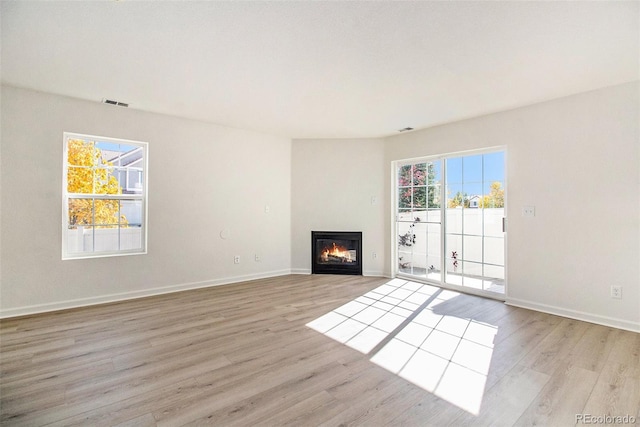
[443,220]
[106,196]
[93,225]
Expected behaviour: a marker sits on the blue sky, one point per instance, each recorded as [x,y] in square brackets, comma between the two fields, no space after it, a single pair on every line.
[474,174]
[110,146]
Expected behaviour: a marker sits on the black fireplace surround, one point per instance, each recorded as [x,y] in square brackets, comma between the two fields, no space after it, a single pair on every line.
[336,252]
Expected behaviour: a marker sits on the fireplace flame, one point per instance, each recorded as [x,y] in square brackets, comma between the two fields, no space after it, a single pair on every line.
[336,251]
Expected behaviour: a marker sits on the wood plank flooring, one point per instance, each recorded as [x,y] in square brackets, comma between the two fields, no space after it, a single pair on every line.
[243,355]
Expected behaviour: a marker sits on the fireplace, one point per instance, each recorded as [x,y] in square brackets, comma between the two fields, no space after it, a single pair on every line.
[336,252]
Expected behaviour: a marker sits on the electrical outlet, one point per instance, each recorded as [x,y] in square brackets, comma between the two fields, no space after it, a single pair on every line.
[257,258]
[616,292]
[374,255]
[236,259]
[529,211]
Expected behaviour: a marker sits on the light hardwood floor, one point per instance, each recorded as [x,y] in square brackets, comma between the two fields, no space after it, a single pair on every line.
[243,355]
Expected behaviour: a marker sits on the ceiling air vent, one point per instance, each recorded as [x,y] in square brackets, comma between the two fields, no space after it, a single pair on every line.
[405,129]
[112,102]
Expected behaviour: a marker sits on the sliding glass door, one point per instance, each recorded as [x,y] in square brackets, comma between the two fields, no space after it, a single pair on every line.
[419,219]
[449,220]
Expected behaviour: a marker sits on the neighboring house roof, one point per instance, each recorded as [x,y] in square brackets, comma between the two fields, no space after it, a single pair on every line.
[126,159]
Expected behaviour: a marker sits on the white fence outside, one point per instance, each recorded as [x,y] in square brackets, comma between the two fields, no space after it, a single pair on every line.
[82,239]
[474,234]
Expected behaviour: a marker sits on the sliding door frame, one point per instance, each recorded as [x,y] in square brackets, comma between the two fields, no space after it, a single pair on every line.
[395,270]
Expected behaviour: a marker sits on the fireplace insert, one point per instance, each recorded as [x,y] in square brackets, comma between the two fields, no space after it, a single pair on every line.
[336,252]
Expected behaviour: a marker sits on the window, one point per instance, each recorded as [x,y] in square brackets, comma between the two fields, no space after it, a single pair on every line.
[449,220]
[104,197]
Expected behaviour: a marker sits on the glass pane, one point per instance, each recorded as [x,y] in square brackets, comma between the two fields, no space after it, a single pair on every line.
[456,198]
[495,273]
[130,238]
[472,248]
[473,268]
[106,239]
[454,220]
[105,182]
[494,195]
[434,215]
[433,269]
[493,169]
[108,154]
[419,198]
[114,154]
[79,239]
[494,250]
[131,213]
[405,215]
[473,193]
[121,176]
[404,198]
[420,216]
[80,180]
[472,221]
[80,153]
[421,241]
[126,158]
[88,239]
[433,240]
[472,168]
[493,222]
[134,181]
[420,174]
[404,176]
[454,170]
[419,264]
[406,235]
[80,212]
[454,271]
[404,261]
[454,246]
[107,213]
[435,172]
[493,279]
[433,196]
[473,275]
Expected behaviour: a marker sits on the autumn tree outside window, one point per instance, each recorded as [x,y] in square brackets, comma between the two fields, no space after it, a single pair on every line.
[104,196]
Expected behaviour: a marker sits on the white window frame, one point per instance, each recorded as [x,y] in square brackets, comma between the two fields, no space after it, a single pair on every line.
[140,196]
[395,165]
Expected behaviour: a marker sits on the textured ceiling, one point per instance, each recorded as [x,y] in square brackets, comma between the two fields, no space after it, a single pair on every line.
[320,69]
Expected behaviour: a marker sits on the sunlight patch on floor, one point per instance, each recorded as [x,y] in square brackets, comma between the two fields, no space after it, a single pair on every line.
[396,324]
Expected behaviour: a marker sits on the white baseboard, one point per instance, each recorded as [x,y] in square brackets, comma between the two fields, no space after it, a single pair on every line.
[300,271]
[84,302]
[578,315]
[374,273]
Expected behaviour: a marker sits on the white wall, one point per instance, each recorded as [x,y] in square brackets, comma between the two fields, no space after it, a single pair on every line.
[332,185]
[203,179]
[577,160]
